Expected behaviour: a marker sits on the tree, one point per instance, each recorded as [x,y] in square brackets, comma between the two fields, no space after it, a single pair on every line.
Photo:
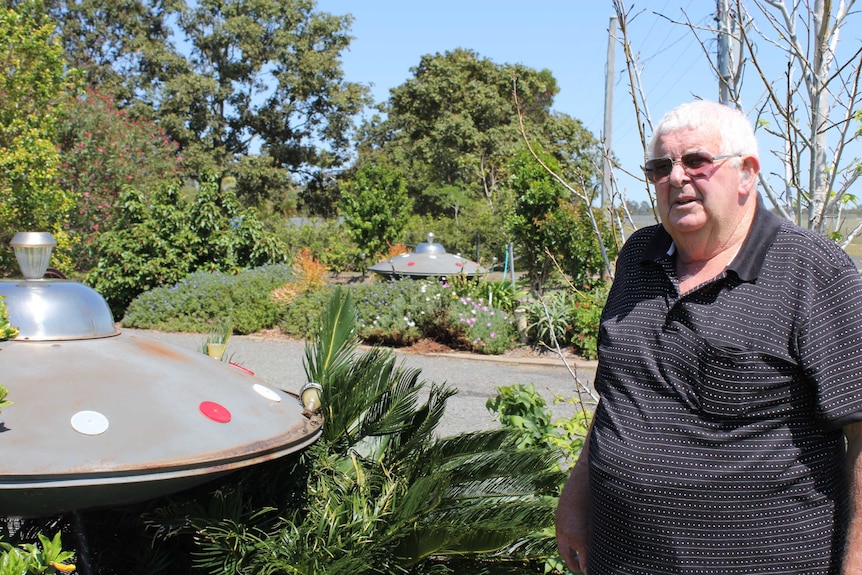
[454,123]
[375,206]
[548,226]
[453,127]
[32,89]
[102,150]
[256,77]
[122,47]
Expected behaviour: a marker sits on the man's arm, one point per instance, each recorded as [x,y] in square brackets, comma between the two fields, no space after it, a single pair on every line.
[573,513]
[853,550]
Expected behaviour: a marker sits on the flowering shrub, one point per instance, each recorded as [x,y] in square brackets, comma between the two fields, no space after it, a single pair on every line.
[396,313]
[399,312]
[103,149]
[486,329]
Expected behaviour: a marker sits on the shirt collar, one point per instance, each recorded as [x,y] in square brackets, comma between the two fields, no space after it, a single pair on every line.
[747,262]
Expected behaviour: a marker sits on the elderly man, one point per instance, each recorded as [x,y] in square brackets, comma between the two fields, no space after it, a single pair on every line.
[728,433]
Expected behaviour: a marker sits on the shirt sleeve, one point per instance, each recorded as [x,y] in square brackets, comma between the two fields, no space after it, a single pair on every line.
[831,346]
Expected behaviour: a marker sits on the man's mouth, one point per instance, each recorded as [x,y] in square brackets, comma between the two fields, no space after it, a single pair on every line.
[685,201]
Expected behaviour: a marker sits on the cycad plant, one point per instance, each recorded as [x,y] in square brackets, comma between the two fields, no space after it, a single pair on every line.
[384,493]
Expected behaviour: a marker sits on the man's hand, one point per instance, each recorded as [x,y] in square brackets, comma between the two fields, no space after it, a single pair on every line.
[573,515]
[853,546]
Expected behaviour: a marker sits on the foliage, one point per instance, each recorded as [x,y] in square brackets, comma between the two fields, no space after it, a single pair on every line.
[202,299]
[32,88]
[220,331]
[224,76]
[7,330]
[308,275]
[4,393]
[401,311]
[102,149]
[327,240]
[300,318]
[384,494]
[549,320]
[375,207]
[586,317]
[567,317]
[452,128]
[520,407]
[550,230]
[500,294]
[486,329]
[160,238]
[148,247]
[30,558]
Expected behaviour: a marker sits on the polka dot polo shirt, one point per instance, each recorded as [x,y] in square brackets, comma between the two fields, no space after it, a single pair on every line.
[717,447]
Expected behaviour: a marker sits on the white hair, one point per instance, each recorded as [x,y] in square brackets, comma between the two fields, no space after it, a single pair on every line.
[731,125]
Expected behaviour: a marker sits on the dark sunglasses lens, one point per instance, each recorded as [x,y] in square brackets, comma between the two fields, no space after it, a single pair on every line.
[694,163]
[658,169]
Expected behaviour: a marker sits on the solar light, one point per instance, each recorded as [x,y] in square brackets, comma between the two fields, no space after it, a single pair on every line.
[310,396]
[33,252]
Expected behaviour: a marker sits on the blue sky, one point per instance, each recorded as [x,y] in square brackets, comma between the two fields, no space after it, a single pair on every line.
[568,37]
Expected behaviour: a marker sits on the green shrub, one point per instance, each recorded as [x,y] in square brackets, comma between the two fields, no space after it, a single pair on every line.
[31,558]
[520,407]
[159,238]
[586,315]
[570,317]
[549,320]
[299,319]
[500,294]
[201,299]
[327,240]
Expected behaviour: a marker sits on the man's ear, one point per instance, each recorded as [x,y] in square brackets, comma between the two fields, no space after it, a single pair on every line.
[750,168]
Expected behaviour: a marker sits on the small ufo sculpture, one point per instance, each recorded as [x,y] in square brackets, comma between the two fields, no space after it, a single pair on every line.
[100,419]
[429,259]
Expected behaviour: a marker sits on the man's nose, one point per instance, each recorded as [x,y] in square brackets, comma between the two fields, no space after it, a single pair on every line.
[677,177]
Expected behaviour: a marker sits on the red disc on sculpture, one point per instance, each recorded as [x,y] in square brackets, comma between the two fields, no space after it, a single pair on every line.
[215,411]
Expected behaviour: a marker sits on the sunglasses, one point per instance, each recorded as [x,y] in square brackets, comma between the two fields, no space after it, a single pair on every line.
[696,165]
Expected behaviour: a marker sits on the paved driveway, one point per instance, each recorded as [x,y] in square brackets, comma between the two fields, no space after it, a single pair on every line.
[279,363]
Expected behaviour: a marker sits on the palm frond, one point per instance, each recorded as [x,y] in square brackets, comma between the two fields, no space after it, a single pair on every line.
[332,348]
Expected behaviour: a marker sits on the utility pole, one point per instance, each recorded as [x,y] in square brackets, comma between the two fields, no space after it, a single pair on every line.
[609,109]
[725,75]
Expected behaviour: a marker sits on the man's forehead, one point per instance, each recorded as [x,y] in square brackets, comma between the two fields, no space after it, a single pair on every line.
[689,138]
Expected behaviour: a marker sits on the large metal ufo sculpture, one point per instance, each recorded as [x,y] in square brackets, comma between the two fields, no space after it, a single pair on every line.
[429,259]
[100,418]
